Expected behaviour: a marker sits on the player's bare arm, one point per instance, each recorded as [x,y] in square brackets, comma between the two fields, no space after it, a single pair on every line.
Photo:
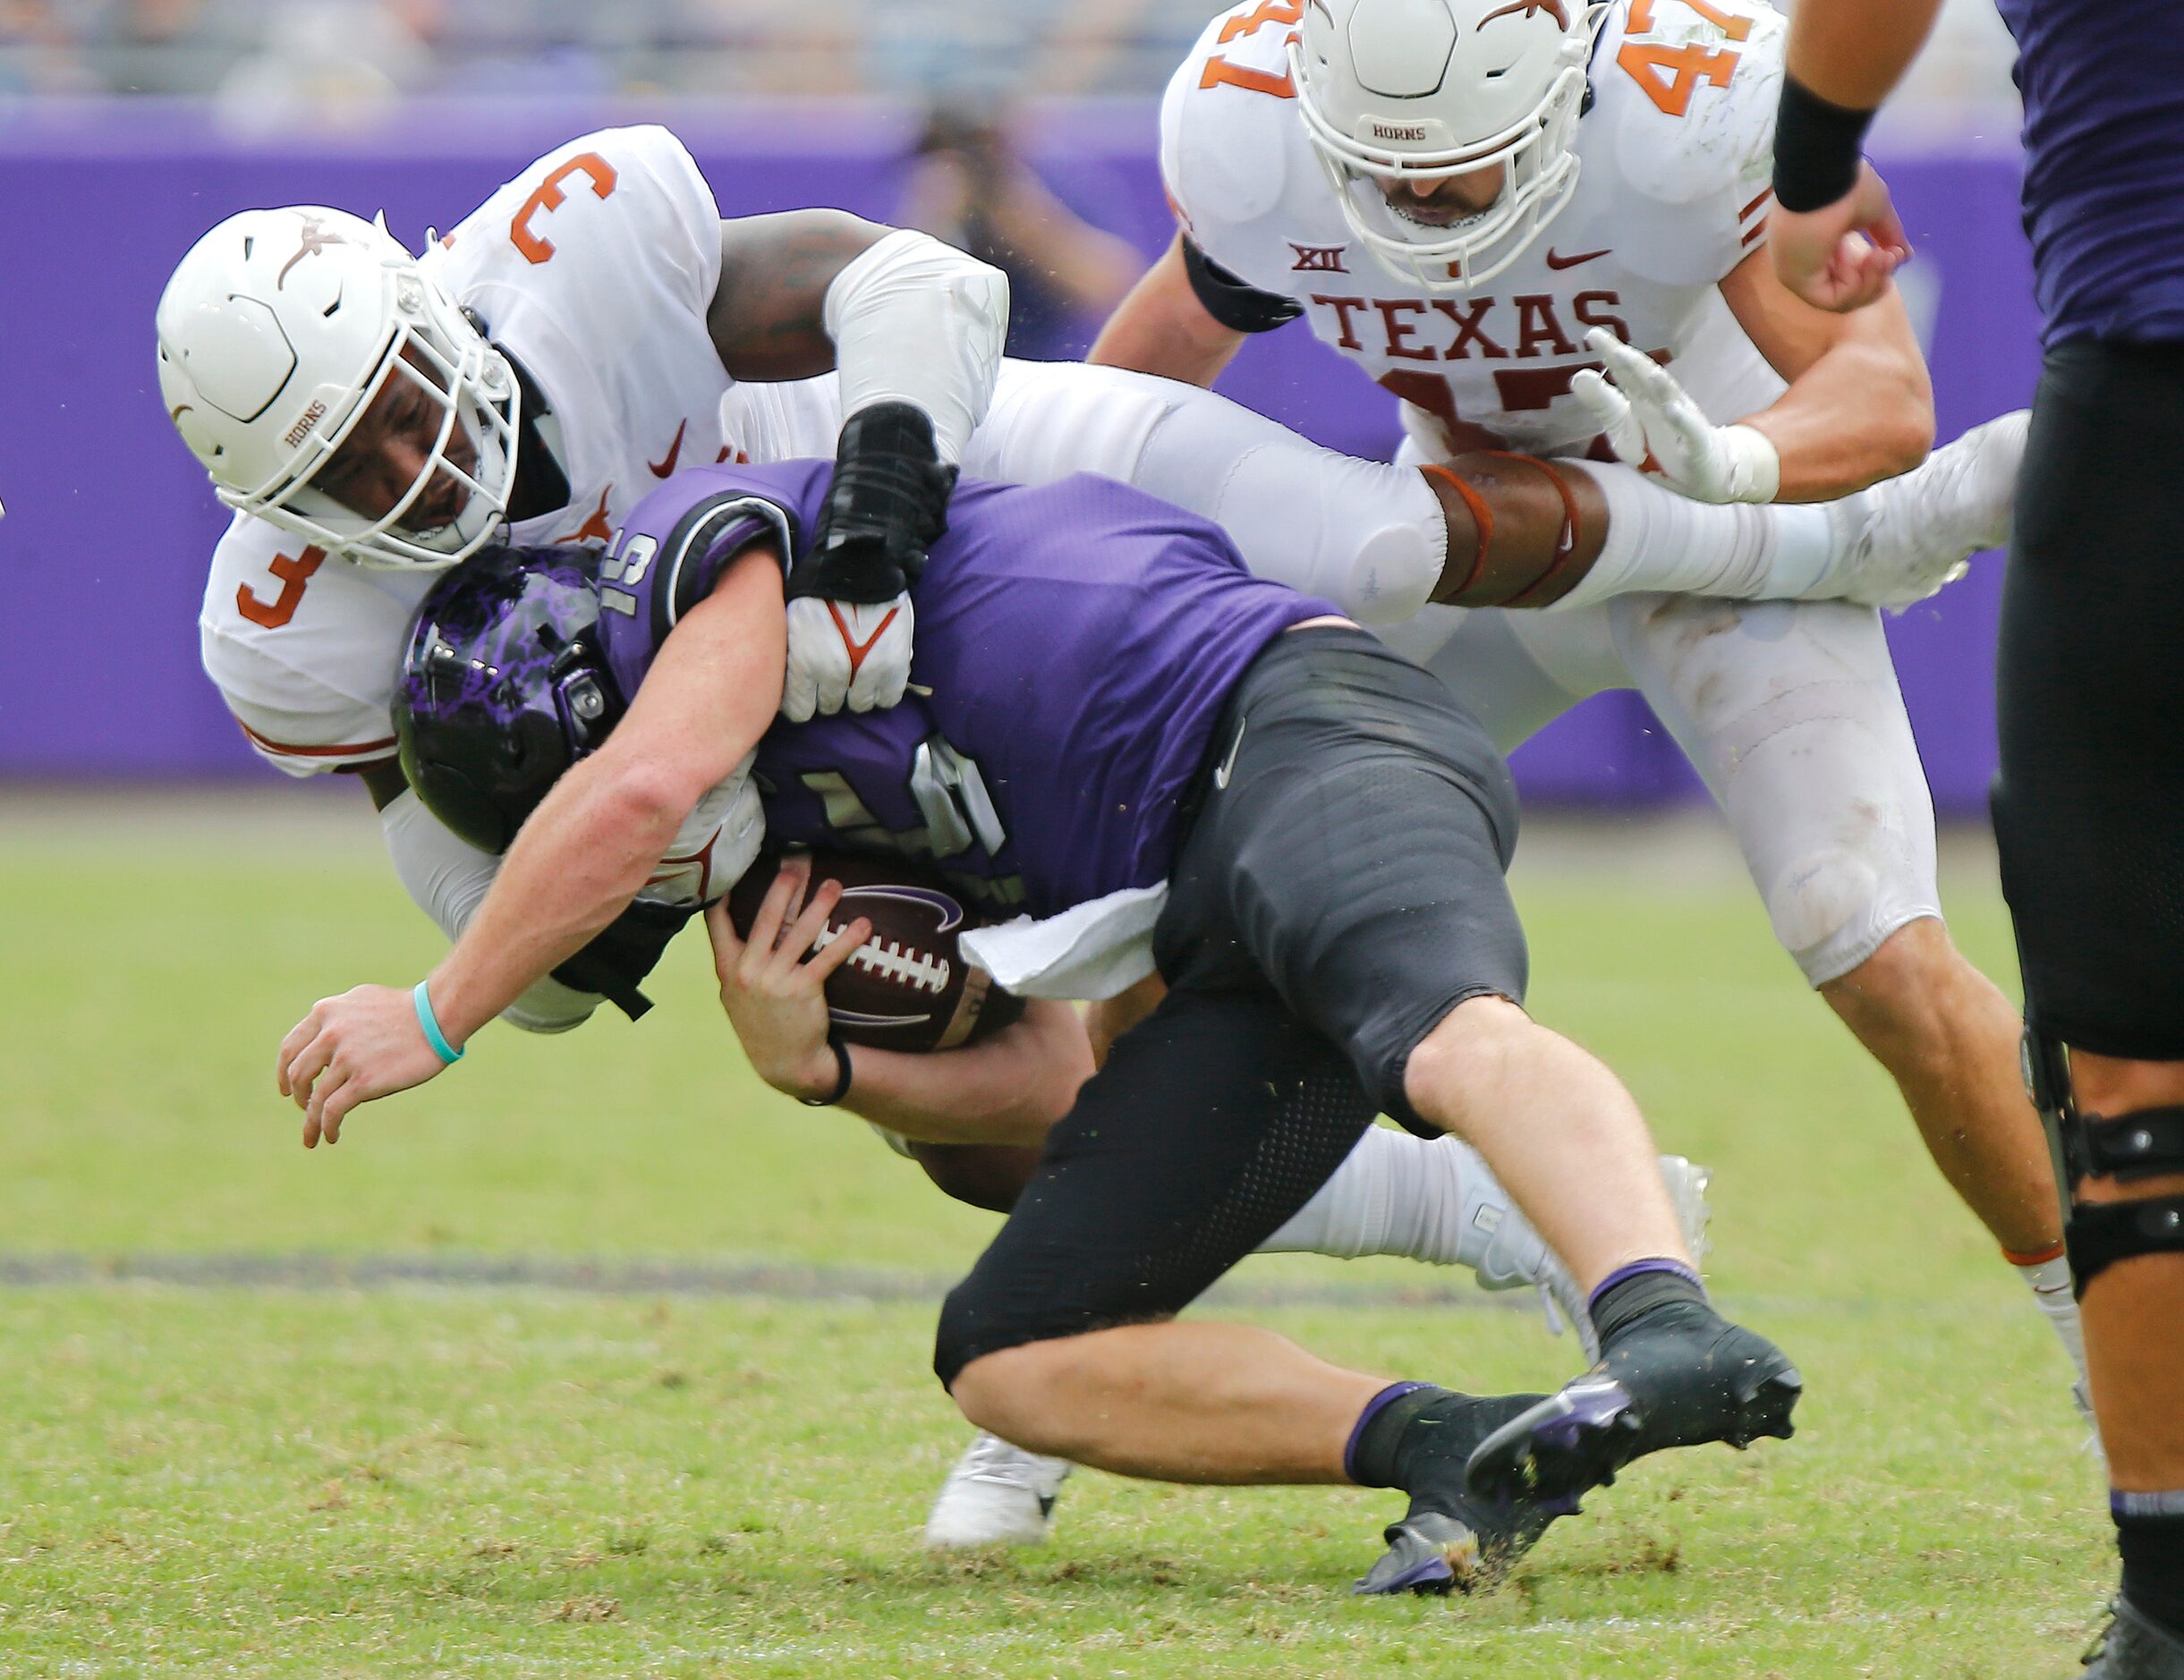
[1836,238]
[1860,404]
[767,317]
[1007,1088]
[579,860]
[1163,328]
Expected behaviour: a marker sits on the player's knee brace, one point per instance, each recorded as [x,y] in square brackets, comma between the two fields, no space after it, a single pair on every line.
[2145,1144]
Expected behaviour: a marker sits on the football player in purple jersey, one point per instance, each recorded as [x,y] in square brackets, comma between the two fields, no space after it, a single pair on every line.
[1176,769]
[2089,808]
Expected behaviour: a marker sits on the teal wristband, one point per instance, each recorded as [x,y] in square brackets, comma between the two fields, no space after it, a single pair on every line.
[430,1023]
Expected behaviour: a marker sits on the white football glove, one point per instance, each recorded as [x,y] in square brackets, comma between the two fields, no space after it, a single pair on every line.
[843,655]
[1645,411]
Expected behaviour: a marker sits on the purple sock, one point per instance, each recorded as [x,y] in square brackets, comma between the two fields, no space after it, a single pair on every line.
[1369,1471]
[1638,1268]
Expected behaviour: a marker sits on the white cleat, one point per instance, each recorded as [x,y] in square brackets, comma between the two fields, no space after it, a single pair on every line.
[997,1495]
[1516,1257]
[1902,539]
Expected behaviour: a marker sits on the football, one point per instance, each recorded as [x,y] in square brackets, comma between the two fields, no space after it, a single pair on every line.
[908,988]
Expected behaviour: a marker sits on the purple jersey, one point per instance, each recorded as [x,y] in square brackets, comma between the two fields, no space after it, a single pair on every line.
[1075,642]
[2103,87]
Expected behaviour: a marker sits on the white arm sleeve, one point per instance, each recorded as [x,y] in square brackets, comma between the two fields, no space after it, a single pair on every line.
[916,321]
[449,878]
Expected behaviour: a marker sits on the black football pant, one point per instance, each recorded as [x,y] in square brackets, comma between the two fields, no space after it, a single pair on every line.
[2089,807]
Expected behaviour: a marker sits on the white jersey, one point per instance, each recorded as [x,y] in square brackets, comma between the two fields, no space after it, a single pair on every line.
[1676,153]
[593,268]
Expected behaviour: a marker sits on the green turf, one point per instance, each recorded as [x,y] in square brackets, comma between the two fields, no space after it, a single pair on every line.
[506,1482]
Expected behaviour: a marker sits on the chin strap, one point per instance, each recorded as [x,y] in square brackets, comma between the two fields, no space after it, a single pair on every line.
[2146,1143]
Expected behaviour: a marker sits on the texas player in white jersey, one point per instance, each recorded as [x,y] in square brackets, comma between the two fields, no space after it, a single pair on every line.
[1486,206]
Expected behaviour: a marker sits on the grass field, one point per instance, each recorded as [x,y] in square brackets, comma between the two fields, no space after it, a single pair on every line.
[315,1479]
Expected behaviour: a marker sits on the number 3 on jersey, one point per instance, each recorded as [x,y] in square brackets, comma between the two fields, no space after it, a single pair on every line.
[1686,64]
[523,228]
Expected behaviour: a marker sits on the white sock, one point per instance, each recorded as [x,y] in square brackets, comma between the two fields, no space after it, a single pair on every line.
[1430,1200]
[1659,540]
[2050,1283]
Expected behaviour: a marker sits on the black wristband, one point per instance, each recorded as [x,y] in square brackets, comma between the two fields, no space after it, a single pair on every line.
[1236,303]
[841,1083]
[1817,147]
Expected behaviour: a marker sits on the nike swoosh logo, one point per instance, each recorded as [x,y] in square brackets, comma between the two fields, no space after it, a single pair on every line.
[1220,771]
[661,469]
[1554,261]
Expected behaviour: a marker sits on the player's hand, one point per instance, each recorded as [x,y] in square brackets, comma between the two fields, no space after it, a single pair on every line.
[355,1049]
[1649,419]
[775,999]
[1840,256]
[841,655]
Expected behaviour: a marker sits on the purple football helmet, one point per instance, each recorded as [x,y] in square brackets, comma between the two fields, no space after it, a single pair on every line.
[503,687]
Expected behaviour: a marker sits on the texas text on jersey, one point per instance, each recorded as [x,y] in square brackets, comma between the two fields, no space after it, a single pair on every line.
[1674,149]
[592,269]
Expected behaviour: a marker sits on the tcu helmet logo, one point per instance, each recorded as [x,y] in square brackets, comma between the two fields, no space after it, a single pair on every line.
[315,238]
[1318,259]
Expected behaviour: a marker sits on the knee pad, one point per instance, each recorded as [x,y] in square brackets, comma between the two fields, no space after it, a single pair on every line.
[1367,536]
[1364,535]
[2144,1144]
[1831,911]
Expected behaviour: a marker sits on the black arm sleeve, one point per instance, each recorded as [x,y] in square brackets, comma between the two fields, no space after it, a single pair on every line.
[1239,307]
[622,953]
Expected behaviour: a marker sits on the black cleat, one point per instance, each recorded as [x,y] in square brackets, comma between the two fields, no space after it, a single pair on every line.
[2133,1646]
[1679,1378]
[1451,1540]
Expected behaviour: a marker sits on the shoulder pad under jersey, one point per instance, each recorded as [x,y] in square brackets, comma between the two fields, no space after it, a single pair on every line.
[605,221]
[1232,154]
[1683,118]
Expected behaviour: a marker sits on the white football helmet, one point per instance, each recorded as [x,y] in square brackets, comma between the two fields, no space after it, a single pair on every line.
[275,333]
[1430,89]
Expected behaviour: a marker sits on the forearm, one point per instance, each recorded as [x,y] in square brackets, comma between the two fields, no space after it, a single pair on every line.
[1853,52]
[1860,413]
[1008,1089]
[575,866]
[449,880]
[1160,328]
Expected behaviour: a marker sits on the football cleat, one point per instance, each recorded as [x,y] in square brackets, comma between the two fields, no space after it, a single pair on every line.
[1514,1256]
[1452,1540]
[2133,1646]
[1680,1377]
[1901,540]
[996,1495]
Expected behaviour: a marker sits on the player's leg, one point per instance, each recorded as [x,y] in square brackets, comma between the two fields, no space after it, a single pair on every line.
[2090,815]
[1792,716]
[1213,1119]
[1338,753]
[1381,540]
[1437,1200]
